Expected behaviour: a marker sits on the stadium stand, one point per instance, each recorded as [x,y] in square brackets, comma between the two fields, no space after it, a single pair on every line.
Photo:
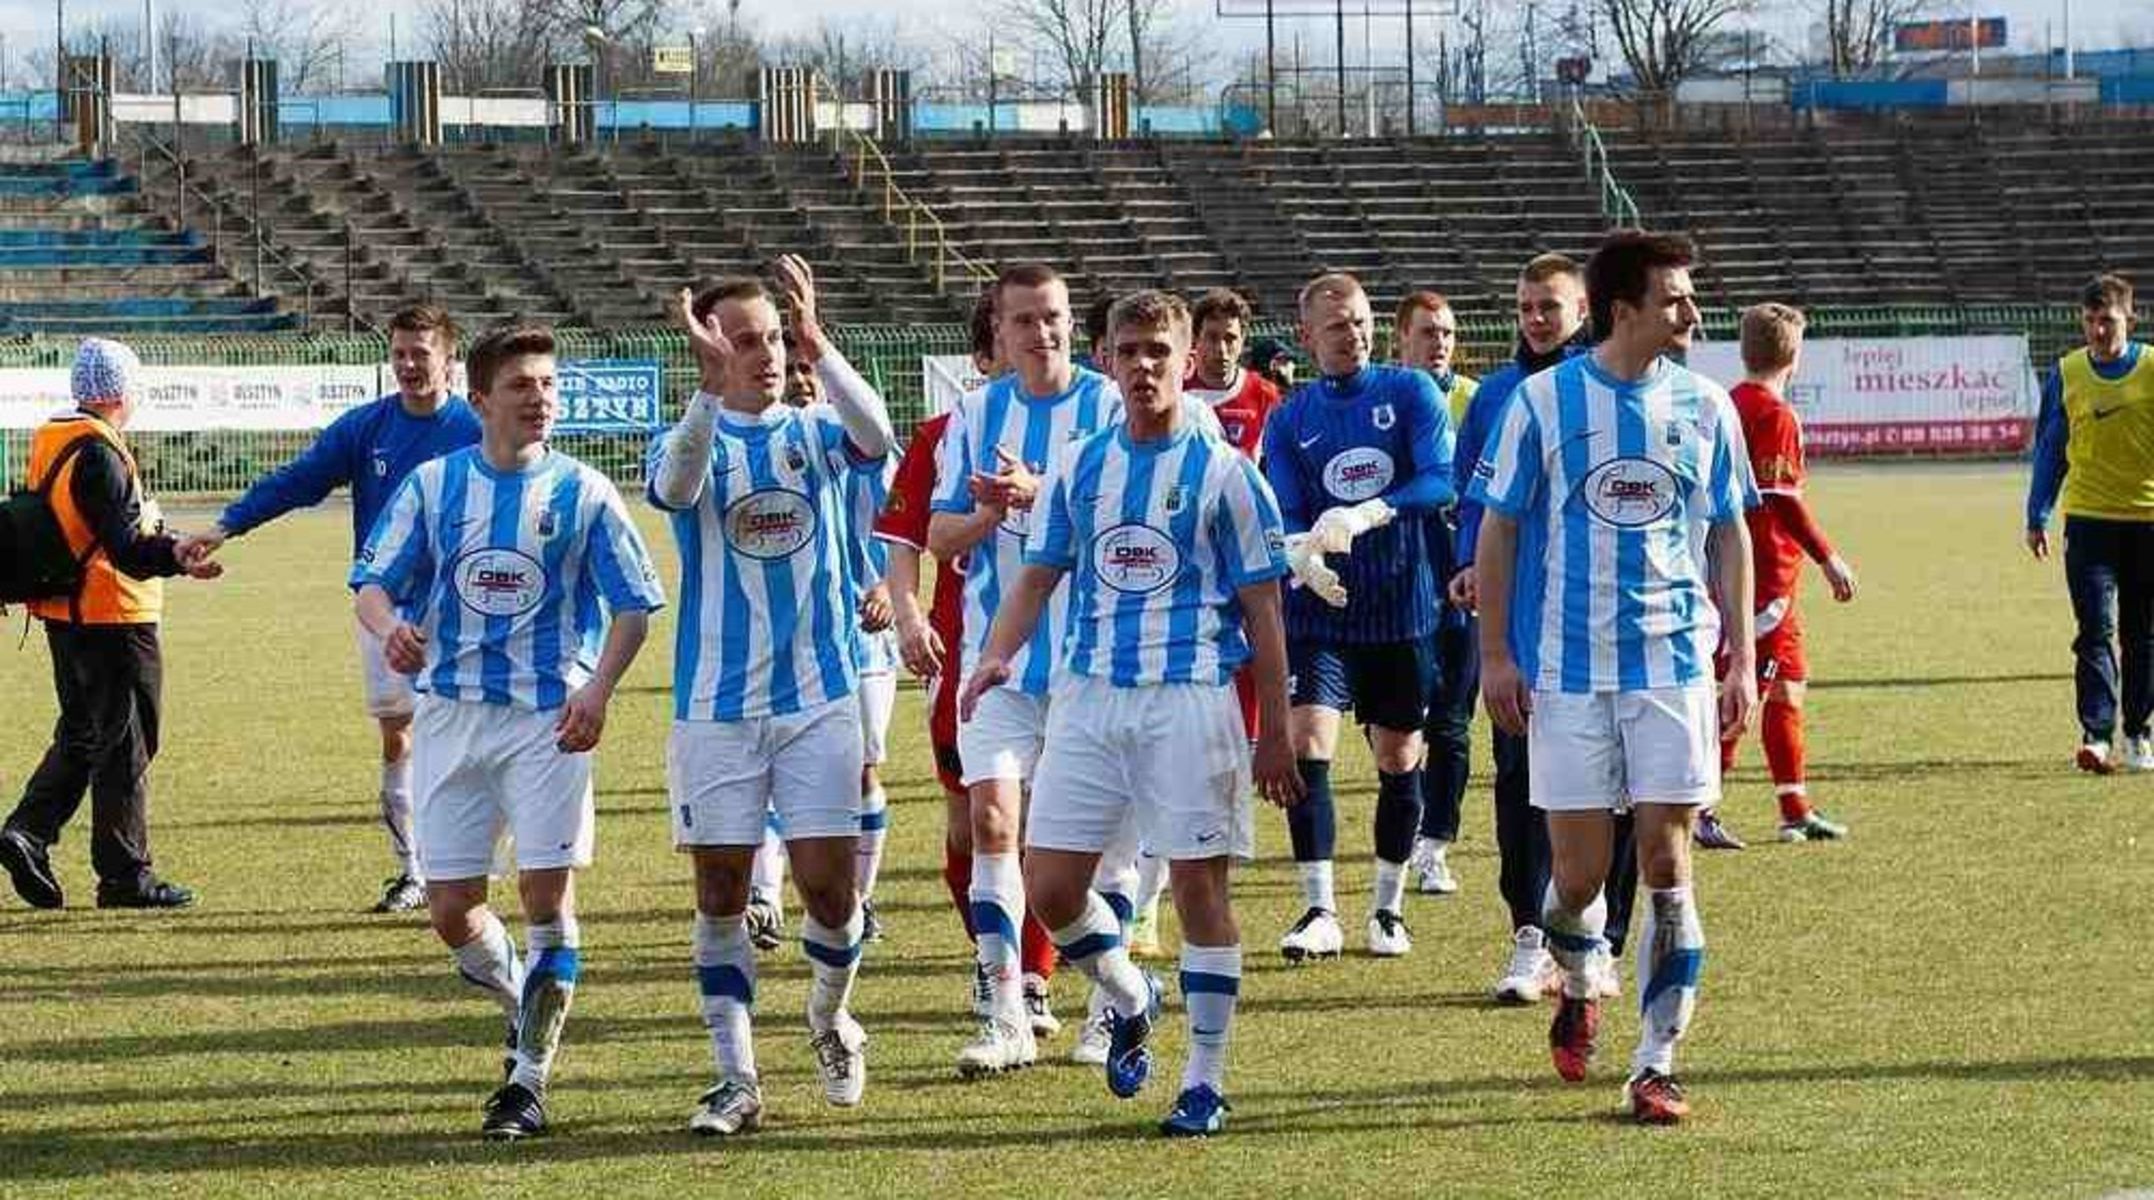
[595,239]
[80,254]
[1907,213]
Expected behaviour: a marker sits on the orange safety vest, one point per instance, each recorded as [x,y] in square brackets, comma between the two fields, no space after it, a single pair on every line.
[109,596]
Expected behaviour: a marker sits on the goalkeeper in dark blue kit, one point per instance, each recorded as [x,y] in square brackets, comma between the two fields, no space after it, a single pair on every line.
[1360,458]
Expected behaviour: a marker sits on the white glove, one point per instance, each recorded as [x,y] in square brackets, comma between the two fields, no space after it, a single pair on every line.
[1306,562]
[1336,528]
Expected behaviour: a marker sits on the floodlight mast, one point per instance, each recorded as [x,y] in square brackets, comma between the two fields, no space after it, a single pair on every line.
[1336,10]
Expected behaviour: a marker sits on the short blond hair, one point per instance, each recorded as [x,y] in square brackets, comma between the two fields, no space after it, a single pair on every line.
[1330,283]
[1543,267]
[1771,335]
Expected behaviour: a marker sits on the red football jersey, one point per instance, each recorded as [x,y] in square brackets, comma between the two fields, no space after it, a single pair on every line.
[1774,436]
[1242,408]
[904,519]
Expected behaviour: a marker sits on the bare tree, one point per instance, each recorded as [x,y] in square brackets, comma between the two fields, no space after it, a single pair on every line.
[1858,33]
[1079,33]
[1085,38]
[845,52]
[486,44]
[307,38]
[1664,42]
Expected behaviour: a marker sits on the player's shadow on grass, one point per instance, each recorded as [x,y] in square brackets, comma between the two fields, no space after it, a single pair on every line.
[454,1026]
[77,1154]
[1910,770]
[285,820]
[1926,681]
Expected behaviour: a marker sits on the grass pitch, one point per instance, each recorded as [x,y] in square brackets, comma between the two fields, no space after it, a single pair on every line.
[1948,1004]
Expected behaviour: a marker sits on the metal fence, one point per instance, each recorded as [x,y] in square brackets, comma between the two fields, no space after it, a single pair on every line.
[224,462]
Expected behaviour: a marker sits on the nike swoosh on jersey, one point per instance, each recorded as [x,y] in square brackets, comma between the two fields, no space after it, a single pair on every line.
[1311,442]
[2103,413]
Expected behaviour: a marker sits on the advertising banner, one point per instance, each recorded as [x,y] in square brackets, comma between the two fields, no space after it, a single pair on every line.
[597,396]
[1914,396]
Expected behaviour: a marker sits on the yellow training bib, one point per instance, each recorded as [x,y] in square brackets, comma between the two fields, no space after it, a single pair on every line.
[2110,454]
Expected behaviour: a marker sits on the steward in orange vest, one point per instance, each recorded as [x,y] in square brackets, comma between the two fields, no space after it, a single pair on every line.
[107,666]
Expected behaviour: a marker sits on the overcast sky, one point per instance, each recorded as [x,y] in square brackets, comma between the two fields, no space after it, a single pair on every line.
[26,23]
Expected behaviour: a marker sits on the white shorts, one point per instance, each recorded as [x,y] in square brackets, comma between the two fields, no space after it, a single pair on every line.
[1604,750]
[722,777]
[877,695]
[1176,753]
[477,769]
[1002,740]
[388,694]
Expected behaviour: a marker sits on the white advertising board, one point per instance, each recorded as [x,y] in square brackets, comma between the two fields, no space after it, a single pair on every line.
[1914,395]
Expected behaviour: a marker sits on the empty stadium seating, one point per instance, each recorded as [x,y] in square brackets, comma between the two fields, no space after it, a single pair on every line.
[1910,212]
[594,238]
[79,254]
[1873,214]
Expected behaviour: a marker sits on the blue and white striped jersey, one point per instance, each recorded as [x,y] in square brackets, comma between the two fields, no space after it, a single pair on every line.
[867,485]
[767,622]
[512,576]
[1034,430]
[1156,537]
[1614,486]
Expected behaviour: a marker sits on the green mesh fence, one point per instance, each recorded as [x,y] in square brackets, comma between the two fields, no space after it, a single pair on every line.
[224,462]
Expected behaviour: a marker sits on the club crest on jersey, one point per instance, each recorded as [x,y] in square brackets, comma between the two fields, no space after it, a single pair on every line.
[770,523]
[495,582]
[1136,559]
[1675,433]
[795,461]
[381,466]
[1383,417]
[1630,493]
[548,524]
[1357,474]
[1176,495]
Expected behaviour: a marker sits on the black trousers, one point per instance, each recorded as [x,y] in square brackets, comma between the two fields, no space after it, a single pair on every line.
[109,678]
[2109,567]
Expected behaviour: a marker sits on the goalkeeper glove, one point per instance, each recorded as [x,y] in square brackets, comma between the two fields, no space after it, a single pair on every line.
[1307,564]
[1336,528]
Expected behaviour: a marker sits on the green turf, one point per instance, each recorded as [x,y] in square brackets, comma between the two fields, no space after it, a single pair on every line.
[1949,1004]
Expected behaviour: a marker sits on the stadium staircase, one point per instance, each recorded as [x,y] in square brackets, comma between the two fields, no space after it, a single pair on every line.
[80,253]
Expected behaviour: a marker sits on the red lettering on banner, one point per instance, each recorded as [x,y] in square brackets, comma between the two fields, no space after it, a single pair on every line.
[1848,439]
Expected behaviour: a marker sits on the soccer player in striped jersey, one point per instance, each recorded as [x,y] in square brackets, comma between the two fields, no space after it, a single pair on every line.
[1172,546]
[930,644]
[1613,556]
[370,449]
[1242,400]
[1425,332]
[988,481]
[1782,533]
[764,671]
[2094,448]
[875,649]
[867,486]
[1360,458]
[1551,311]
[509,582]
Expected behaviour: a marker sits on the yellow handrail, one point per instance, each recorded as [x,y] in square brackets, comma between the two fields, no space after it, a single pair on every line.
[865,152]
